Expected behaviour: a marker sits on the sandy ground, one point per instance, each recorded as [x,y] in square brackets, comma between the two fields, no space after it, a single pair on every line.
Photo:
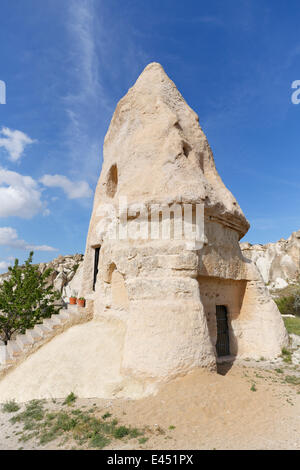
[208,410]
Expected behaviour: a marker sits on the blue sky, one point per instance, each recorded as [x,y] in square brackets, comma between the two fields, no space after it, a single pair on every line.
[66,63]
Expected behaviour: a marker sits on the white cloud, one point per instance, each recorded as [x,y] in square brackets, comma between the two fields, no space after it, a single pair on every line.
[4,265]
[20,195]
[9,237]
[14,142]
[74,190]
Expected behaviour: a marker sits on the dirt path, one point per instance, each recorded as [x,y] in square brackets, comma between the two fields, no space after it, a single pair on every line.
[246,408]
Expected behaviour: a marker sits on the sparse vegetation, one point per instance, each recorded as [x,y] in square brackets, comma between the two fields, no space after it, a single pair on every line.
[10,407]
[71,425]
[75,267]
[143,440]
[287,355]
[253,388]
[292,379]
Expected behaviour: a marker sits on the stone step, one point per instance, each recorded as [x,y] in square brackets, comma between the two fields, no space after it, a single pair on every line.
[24,341]
[43,329]
[64,317]
[34,334]
[73,313]
[13,349]
[52,322]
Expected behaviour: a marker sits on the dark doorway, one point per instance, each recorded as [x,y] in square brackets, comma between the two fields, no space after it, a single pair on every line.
[222,345]
[96,261]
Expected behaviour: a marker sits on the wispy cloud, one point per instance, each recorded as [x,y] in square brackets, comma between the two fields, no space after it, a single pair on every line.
[74,190]
[14,142]
[9,237]
[97,71]
[88,101]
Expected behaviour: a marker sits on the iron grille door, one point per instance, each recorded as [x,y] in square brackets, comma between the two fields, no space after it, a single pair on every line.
[222,345]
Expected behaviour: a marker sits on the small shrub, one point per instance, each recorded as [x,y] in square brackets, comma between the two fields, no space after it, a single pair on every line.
[10,407]
[71,398]
[253,388]
[121,432]
[106,415]
[172,427]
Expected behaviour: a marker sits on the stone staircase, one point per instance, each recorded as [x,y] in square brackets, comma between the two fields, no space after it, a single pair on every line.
[17,350]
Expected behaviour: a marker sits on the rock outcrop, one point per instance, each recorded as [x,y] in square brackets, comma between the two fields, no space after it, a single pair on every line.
[66,276]
[158,305]
[169,298]
[278,263]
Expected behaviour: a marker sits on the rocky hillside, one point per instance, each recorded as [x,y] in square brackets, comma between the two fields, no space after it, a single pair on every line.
[66,274]
[279,263]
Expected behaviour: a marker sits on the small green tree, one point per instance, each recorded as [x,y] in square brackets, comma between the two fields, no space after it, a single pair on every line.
[25,299]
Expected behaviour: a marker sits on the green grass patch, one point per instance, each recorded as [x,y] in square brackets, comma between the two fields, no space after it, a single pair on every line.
[10,407]
[143,440]
[70,425]
[292,325]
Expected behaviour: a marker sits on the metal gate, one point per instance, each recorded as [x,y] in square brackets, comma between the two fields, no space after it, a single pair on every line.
[222,345]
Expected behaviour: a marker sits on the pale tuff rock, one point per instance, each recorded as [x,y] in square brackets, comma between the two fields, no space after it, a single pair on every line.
[159,298]
[278,263]
[165,295]
[66,274]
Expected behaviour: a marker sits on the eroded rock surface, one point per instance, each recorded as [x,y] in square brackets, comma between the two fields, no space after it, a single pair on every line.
[278,263]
